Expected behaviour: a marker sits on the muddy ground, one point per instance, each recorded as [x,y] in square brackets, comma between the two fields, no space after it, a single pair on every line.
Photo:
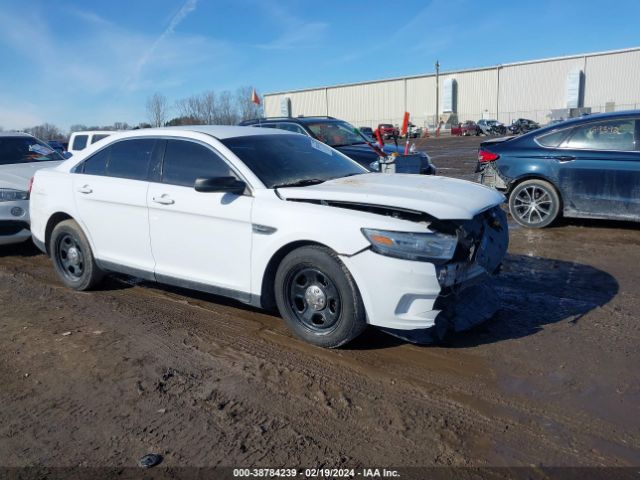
[105,377]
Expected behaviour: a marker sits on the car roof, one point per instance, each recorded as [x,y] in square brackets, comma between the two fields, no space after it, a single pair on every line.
[96,132]
[15,134]
[300,120]
[587,119]
[218,131]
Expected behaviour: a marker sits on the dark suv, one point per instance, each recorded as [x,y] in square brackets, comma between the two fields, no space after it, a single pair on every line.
[347,139]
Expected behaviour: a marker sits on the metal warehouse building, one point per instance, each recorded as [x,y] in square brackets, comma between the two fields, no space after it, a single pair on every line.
[540,90]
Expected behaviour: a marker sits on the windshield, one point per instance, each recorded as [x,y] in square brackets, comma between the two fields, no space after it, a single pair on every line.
[25,150]
[287,160]
[336,134]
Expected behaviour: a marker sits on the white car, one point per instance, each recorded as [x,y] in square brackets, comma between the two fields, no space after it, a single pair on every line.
[20,156]
[273,218]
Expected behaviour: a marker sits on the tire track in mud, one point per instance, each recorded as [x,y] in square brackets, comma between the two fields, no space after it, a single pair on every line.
[267,397]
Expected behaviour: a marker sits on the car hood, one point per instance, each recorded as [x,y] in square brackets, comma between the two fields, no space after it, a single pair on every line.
[442,197]
[17,175]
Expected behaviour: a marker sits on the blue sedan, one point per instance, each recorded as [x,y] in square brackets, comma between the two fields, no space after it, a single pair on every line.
[587,167]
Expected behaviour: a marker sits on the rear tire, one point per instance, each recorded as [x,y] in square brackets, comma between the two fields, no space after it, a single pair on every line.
[534,203]
[72,257]
[317,297]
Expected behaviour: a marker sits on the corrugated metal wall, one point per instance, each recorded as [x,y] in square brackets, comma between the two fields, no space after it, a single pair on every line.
[529,90]
[613,78]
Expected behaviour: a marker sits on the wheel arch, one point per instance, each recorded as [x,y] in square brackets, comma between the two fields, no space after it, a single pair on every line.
[54,220]
[534,176]
[267,290]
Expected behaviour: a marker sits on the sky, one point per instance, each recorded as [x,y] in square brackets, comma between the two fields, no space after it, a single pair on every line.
[96,62]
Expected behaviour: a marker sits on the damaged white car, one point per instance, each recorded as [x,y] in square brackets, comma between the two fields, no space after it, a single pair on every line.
[275,219]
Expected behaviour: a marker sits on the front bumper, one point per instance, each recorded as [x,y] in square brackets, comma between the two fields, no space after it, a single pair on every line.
[14,222]
[407,295]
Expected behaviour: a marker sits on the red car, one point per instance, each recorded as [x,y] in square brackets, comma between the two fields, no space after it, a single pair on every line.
[388,131]
[470,128]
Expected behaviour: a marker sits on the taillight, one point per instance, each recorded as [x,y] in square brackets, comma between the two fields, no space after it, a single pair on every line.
[30,187]
[485,156]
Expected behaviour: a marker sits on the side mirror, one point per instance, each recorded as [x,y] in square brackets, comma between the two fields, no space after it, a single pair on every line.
[220,184]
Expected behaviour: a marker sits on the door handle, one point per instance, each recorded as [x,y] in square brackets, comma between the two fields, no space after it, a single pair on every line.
[85,189]
[164,200]
[564,158]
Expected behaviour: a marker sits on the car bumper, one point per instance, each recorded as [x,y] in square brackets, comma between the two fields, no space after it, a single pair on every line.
[409,295]
[14,222]
[412,295]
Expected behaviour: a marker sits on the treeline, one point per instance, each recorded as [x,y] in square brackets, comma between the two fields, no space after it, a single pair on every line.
[206,108]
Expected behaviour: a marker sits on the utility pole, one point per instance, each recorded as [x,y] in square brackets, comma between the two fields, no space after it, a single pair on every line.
[437,121]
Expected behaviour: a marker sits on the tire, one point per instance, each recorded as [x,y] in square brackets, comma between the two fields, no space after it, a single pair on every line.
[545,200]
[317,297]
[72,257]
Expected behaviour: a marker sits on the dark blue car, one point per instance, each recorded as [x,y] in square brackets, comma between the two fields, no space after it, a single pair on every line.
[587,167]
[347,139]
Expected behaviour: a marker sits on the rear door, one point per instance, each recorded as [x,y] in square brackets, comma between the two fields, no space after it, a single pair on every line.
[199,238]
[599,169]
[110,188]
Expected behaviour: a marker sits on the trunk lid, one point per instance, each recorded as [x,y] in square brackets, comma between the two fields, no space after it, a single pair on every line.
[17,175]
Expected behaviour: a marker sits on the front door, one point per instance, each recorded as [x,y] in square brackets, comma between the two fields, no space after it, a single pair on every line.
[599,170]
[199,238]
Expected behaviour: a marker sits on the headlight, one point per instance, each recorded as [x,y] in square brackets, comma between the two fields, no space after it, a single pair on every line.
[9,195]
[375,166]
[426,247]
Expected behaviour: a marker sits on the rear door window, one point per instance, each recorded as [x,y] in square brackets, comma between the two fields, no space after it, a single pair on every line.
[96,164]
[186,161]
[553,139]
[131,158]
[617,135]
[79,142]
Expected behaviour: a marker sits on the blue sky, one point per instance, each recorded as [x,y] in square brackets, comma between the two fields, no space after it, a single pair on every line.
[91,62]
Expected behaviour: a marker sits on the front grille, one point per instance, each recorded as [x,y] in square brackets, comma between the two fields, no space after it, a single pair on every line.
[471,232]
[11,227]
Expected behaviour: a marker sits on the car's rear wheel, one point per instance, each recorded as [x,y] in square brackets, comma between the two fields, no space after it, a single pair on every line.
[534,203]
[318,298]
[72,257]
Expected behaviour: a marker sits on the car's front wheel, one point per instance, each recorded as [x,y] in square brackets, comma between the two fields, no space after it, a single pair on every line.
[318,298]
[534,204]
[72,257]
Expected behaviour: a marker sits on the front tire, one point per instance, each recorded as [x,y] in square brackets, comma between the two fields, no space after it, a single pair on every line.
[317,297]
[534,204]
[72,257]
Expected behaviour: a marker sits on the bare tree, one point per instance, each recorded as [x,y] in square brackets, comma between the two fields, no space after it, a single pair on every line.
[226,109]
[246,108]
[201,107]
[157,109]
[45,132]
[207,107]
[121,126]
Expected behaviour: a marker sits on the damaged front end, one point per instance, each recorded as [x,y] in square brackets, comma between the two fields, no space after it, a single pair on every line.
[467,297]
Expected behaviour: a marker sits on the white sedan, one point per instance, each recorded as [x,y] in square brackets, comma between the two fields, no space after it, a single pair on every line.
[21,155]
[275,219]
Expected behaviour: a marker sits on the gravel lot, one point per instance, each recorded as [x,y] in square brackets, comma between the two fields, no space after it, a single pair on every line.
[105,377]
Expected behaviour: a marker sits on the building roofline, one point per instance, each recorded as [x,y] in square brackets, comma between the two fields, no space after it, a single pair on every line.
[453,72]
